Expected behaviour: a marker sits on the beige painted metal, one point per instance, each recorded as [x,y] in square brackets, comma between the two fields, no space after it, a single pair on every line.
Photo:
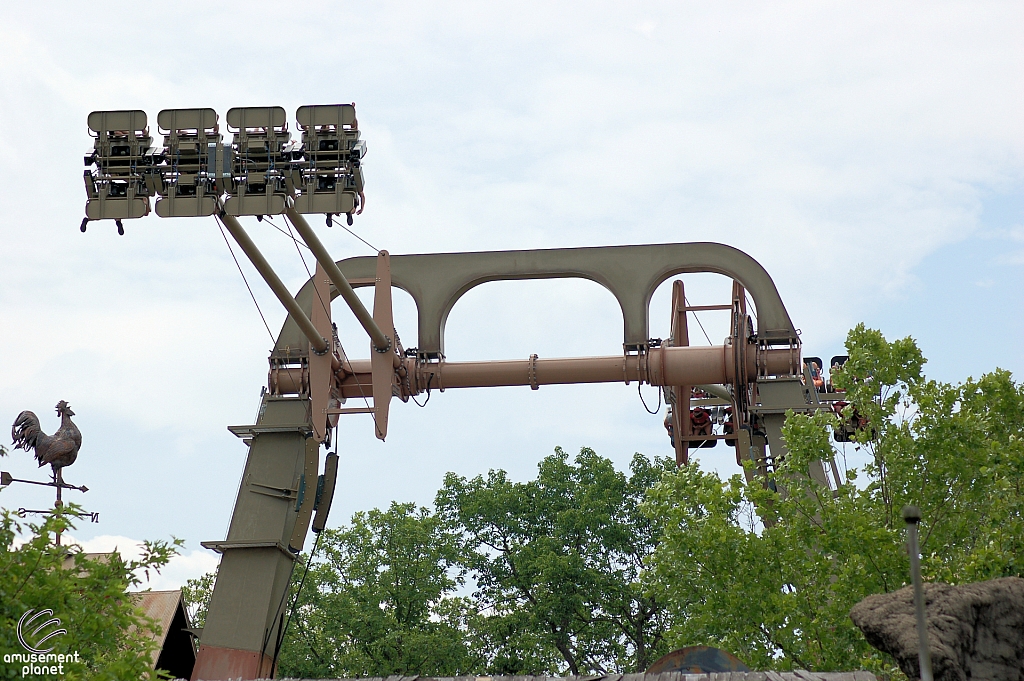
[382,366]
[295,313]
[117,188]
[172,120]
[682,428]
[337,115]
[381,343]
[104,122]
[191,184]
[269,518]
[719,391]
[258,118]
[320,364]
[777,396]
[332,182]
[260,137]
[436,281]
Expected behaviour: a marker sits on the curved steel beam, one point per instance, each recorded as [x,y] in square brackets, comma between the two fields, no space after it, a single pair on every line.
[436,281]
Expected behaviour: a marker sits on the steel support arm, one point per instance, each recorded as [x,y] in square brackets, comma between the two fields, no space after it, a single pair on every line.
[381,342]
[316,341]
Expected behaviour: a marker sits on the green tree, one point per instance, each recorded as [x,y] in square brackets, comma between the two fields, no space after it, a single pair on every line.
[557,564]
[196,594]
[104,625]
[380,599]
[778,593]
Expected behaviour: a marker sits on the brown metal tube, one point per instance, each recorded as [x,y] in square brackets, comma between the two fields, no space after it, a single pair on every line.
[692,365]
[682,366]
[548,371]
[779,362]
[318,342]
[288,380]
[687,365]
[380,341]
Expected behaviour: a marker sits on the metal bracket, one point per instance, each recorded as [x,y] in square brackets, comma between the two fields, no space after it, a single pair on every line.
[275,491]
[222,546]
[250,431]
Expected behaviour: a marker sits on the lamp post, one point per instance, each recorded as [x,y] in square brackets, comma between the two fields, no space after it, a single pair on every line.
[912,516]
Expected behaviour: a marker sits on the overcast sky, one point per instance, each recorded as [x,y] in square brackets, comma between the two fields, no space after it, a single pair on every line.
[869,155]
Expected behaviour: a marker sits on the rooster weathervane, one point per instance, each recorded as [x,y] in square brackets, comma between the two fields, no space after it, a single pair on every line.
[58,450]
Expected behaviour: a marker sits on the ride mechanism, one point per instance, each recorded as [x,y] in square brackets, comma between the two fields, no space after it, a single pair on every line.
[744,386]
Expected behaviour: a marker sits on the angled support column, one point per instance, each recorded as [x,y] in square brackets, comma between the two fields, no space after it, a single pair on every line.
[381,343]
[318,342]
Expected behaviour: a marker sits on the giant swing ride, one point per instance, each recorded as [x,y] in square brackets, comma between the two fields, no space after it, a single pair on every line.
[744,386]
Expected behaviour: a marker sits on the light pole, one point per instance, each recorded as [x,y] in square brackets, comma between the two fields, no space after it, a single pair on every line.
[912,516]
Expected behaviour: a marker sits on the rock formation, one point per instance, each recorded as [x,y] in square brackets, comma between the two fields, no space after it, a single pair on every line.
[975,631]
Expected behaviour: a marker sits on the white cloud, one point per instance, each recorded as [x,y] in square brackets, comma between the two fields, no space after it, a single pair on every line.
[838,144]
[646,27]
[181,567]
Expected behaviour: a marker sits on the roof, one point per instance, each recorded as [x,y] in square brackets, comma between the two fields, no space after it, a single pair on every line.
[161,606]
[176,652]
[69,559]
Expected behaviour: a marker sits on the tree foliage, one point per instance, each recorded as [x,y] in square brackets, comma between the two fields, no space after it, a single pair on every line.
[778,593]
[379,600]
[196,594]
[557,563]
[554,565]
[104,625]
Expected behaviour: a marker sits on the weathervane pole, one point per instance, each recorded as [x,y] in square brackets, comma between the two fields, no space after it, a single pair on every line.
[57,504]
[56,507]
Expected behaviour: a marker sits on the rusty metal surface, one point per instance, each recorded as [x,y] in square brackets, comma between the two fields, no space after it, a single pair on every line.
[698,660]
[215,663]
[160,606]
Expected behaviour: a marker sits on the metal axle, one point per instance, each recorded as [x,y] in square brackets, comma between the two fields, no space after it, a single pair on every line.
[688,365]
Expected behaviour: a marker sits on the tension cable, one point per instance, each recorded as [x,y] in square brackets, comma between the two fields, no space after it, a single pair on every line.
[251,295]
[687,303]
[295,601]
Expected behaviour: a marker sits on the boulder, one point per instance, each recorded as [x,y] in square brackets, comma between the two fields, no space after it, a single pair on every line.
[975,631]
